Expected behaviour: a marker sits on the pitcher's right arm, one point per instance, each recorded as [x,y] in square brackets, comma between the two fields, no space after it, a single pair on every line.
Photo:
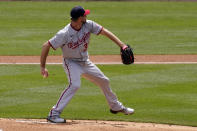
[44,53]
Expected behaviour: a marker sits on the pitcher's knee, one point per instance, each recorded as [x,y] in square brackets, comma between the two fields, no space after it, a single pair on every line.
[75,86]
[105,81]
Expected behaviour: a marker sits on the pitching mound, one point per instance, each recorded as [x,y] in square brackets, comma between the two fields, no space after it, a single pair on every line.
[85,125]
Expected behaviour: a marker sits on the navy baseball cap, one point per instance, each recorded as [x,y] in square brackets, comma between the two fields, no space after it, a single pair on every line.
[78,11]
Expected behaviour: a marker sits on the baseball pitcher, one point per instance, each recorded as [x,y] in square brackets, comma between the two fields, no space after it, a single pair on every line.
[73,39]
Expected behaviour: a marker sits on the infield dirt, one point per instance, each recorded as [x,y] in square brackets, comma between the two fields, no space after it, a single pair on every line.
[85,125]
[102,59]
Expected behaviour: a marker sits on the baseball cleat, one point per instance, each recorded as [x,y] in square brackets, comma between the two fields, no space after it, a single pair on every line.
[56,119]
[126,111]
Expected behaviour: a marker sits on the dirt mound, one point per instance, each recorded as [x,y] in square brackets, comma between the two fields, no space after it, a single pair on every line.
[85,125]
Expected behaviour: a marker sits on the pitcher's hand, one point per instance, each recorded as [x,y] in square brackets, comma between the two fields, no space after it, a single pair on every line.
[44,72]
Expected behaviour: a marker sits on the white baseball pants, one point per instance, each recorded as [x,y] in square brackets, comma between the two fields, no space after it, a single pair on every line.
[90,71]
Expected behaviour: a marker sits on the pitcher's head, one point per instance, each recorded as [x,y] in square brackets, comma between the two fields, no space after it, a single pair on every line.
[79,13]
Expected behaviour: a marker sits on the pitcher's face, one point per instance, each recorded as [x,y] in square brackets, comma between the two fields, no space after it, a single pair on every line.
[83,19]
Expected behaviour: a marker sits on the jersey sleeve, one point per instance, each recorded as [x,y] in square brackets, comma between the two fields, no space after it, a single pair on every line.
[94,27]
[58,40]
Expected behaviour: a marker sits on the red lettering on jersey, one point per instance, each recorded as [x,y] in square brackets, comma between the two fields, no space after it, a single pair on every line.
[85,46]
[80,41]
[70,45]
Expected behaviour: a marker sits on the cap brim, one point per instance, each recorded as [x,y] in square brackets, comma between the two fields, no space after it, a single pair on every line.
[87,12]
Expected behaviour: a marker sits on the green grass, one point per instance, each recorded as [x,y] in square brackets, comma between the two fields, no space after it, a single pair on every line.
[150,27]
[158,93]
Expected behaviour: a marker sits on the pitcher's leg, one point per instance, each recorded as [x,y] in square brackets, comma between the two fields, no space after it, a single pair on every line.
[73,72]
[94,74]
[103,83]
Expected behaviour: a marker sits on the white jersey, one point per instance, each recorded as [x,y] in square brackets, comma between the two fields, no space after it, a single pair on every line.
[74,44]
